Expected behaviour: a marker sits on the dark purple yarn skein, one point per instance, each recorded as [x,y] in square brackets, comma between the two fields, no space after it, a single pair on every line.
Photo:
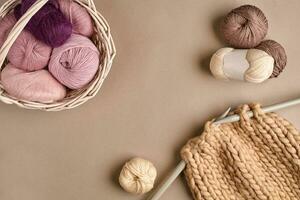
[48,24]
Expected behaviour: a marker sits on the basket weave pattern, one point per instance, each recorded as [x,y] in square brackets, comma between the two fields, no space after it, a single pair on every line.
[102,39]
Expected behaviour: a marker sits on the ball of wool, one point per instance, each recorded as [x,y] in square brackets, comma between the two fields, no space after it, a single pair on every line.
[138,176]
[38,86]
[6,24]
[48,24]
[255,67]
[244,27]
[75,63]
[28,53]
[78,16]
[275,50]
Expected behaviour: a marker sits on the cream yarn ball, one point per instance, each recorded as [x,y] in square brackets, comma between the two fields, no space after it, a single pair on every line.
[137,176]
[250,65]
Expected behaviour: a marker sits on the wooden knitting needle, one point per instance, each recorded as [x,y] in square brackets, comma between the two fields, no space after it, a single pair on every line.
[158,192]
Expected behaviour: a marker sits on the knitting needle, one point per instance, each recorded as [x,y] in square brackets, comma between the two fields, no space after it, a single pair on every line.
[271,108]
[225,119]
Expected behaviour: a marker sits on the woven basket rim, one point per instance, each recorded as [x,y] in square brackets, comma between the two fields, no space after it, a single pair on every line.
[103,41]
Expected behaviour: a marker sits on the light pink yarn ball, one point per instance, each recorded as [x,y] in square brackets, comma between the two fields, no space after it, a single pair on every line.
[75,63]
[38,86]
[28,53]
[6,24]
[78,16]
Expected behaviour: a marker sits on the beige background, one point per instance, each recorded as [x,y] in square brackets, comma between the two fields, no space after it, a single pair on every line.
[158,94]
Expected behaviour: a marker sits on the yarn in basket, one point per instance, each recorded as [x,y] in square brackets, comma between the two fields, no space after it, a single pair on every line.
[103,40]
[137,176]
[37,86]
[244,27]
[27,52]
[75,63]
[48,24]
[252,65]
[78,16]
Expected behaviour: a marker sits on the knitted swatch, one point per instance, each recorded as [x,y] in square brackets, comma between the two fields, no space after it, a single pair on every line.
[257,158]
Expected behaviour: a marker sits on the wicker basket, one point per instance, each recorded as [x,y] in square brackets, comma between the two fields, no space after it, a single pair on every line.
[102,39]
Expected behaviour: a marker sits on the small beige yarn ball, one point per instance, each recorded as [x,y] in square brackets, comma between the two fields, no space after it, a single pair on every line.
[137,176]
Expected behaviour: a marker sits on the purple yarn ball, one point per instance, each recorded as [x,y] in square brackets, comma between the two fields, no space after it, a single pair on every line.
[48,24]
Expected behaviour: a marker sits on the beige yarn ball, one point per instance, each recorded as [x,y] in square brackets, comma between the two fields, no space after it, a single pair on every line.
[137,176]
[258,66]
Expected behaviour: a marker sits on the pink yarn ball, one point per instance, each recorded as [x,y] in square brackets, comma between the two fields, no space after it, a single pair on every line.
[78,16]
[75,63]
[6,24]
[38,86]
[27,52]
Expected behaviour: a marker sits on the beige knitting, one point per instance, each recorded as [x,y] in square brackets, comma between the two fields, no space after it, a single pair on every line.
[255,158]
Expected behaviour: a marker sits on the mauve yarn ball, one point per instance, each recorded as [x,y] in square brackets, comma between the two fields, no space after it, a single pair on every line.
[6,24]
[28,53]
[48,24]
[275,50]
[244,27]
[75,63]
[37,86]
[78,16]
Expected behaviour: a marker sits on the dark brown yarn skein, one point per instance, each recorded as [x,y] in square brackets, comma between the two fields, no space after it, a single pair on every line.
[244,27]
[275,50]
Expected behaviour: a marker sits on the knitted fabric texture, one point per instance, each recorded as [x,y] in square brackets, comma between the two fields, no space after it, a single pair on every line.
[255,158]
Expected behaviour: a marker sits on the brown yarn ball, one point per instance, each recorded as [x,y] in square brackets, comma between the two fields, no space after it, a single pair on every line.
[275,50]
[244,27]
